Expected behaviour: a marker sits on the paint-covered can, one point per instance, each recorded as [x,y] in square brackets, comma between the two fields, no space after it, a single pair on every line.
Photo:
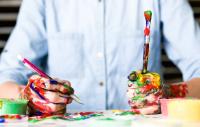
[13,106]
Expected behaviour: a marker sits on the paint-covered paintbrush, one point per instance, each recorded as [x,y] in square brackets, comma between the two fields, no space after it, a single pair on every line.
[148,16]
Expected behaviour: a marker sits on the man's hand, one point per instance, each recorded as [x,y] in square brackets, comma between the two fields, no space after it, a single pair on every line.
[194,88]
[175,90]
[142,101]
[144,92]
[183,89]
[47,97]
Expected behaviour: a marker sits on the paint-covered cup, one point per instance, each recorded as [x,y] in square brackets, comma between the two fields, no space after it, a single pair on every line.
[13,106]
[164,103]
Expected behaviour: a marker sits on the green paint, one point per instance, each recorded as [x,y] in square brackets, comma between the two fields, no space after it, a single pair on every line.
[127,113]
[9,106]
[70,90]
[137,97]
[107,119]
[96,115]
[137,91]
[54,117]
[140,84]
[148,12]
[33,121]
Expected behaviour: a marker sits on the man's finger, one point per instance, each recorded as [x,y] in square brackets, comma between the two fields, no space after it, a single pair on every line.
[62,86]
[55,97]
[46,108]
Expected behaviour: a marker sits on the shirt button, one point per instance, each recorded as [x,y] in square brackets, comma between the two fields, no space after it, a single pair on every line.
[101,83]
[99,55]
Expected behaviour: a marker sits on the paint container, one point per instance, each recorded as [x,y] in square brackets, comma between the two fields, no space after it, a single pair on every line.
[164,105]
[13,106]
[184,110]
[2,120]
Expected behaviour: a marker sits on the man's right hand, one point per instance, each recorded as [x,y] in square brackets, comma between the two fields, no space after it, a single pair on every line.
[47,97]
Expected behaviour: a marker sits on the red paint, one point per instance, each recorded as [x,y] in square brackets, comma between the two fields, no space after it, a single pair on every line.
[147,17]
[179,90]
[145,57]
[146,31]
[86,113]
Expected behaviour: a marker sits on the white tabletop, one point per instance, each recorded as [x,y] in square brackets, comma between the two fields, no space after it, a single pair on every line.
[108,119]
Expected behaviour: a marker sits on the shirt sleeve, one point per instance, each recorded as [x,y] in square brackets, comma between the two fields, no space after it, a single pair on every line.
[27,39]
[181,36]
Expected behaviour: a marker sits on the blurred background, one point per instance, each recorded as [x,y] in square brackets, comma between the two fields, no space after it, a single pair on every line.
[8,14]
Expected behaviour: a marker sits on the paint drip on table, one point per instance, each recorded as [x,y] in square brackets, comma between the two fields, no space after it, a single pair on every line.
[78,116]
[67,117]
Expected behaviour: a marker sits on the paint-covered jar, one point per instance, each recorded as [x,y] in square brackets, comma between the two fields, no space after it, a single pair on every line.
[13,106]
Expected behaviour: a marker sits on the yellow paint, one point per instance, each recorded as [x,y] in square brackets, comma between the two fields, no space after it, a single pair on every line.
[153,77]
[117,111]
[1,104]
[184,110]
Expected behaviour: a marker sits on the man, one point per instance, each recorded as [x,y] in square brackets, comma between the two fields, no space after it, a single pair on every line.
[95,44]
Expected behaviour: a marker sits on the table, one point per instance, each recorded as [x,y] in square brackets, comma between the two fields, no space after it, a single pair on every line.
[107,119]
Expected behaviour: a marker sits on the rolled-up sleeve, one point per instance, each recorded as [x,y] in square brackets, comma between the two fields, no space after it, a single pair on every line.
[28,39]
[181,36]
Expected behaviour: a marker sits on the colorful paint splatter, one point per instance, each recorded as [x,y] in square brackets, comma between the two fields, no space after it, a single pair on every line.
[78,116]
[68,117]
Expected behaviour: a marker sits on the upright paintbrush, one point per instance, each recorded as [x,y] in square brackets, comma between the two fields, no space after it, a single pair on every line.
[147,15]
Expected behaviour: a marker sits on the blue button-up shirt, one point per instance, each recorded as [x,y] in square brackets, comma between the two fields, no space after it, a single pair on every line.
[95,44]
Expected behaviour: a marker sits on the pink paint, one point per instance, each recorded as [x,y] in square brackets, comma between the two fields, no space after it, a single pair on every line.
[164,105]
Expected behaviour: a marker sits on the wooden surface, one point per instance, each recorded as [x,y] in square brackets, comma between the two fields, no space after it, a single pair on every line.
[8,15]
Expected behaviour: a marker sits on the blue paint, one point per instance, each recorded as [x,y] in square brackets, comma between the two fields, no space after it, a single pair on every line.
[32,88]
[2,120]
[38,113]
[53,82]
